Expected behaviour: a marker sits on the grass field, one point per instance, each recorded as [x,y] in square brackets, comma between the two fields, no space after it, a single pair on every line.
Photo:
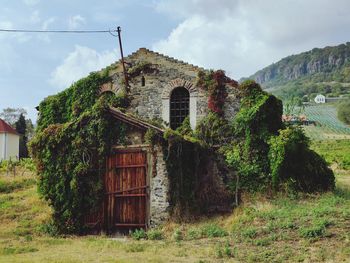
[296,228]
[328,125]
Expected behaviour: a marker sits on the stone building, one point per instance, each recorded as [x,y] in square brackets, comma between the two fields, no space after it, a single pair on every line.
[137,182]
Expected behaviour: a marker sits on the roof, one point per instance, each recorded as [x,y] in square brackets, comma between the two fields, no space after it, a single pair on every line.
[5,128]
[133,121]
[167,58]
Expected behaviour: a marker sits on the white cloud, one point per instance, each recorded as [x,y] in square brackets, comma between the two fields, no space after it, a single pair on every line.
[35,17]
[76,21]
[31,2]
[80,63]
[47,23]
[45,26]
[242,36]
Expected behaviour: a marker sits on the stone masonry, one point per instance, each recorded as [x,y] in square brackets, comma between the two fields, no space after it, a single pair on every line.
[152,101]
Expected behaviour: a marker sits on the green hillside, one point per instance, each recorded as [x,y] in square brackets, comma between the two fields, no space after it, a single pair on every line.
[320,70]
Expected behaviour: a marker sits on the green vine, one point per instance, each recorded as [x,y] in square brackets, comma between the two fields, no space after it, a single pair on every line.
[74,135]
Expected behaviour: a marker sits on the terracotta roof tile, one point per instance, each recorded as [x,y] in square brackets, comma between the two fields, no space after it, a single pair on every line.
[4,127]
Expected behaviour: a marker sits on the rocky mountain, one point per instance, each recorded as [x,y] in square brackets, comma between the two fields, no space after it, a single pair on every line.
[325,70]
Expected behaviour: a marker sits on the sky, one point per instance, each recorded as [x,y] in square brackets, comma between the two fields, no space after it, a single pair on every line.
[238,36]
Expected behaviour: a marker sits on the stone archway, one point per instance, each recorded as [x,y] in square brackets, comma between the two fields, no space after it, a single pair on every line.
[175,83]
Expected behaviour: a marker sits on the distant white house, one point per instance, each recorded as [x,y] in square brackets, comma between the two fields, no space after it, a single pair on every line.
[9,142]
[320,98]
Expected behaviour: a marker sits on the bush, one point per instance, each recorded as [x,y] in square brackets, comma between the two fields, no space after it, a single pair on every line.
[292,161]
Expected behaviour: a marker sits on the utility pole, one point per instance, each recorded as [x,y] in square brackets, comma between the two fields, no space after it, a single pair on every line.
[123,62]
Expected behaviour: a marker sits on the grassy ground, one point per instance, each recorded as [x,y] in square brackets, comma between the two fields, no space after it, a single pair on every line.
[298,228]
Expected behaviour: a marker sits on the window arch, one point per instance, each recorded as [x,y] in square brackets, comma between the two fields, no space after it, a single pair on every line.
[179,106]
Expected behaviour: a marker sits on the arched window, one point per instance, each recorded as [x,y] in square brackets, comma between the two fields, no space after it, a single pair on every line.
[179,106]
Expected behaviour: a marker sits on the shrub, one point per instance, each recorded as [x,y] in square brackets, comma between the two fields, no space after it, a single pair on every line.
[258,119]
[291,160]
[139,234]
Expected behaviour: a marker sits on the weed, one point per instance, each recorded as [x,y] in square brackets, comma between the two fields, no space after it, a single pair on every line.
[139,234]
[193,233]
[154,234]
[263,242]
[249,232]
[315,231]
[178,235]
[49,228]
[218,251]
[213,230]
[227,250]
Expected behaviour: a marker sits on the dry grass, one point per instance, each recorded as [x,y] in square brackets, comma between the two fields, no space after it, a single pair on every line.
[304,228]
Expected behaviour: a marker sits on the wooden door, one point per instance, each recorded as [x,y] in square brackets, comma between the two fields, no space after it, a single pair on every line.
[126,190]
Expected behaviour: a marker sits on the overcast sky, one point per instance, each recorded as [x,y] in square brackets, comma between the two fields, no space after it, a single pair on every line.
[239,36]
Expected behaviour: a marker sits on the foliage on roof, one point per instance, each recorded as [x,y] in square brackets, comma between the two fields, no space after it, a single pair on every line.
[74,135]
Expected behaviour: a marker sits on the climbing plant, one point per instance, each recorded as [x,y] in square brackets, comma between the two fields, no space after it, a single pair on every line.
[265,153]
[74,135]
[292,162]
[215,83]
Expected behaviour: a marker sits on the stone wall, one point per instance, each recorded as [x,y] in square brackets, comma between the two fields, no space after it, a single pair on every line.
[148,101]
[159,185]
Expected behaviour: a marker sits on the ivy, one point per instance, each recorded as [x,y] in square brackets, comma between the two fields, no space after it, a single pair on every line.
[292,160]
[215,83]
[74,135]
[265,154]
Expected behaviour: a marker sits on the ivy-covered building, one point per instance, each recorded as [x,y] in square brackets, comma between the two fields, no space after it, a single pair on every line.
[165,91]
[171,141]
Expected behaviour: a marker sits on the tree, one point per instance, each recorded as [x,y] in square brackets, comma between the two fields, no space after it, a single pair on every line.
[344,111]
[29,129]
[21,128]
[11,115]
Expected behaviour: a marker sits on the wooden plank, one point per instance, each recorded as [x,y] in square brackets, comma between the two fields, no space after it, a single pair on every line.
[126,189]
[131,166]
[130,224]
[130,195]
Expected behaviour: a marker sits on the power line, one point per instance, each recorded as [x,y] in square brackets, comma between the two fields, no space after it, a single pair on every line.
[56,31]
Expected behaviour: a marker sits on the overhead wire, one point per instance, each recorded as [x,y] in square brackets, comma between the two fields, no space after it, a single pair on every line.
[56,31]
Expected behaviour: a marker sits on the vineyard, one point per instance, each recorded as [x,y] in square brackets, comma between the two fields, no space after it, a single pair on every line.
[328,126]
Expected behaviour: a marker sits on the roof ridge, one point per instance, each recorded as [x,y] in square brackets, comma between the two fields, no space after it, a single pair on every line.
[172,59]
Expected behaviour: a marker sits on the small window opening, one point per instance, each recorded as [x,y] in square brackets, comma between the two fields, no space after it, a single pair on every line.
[179,106]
